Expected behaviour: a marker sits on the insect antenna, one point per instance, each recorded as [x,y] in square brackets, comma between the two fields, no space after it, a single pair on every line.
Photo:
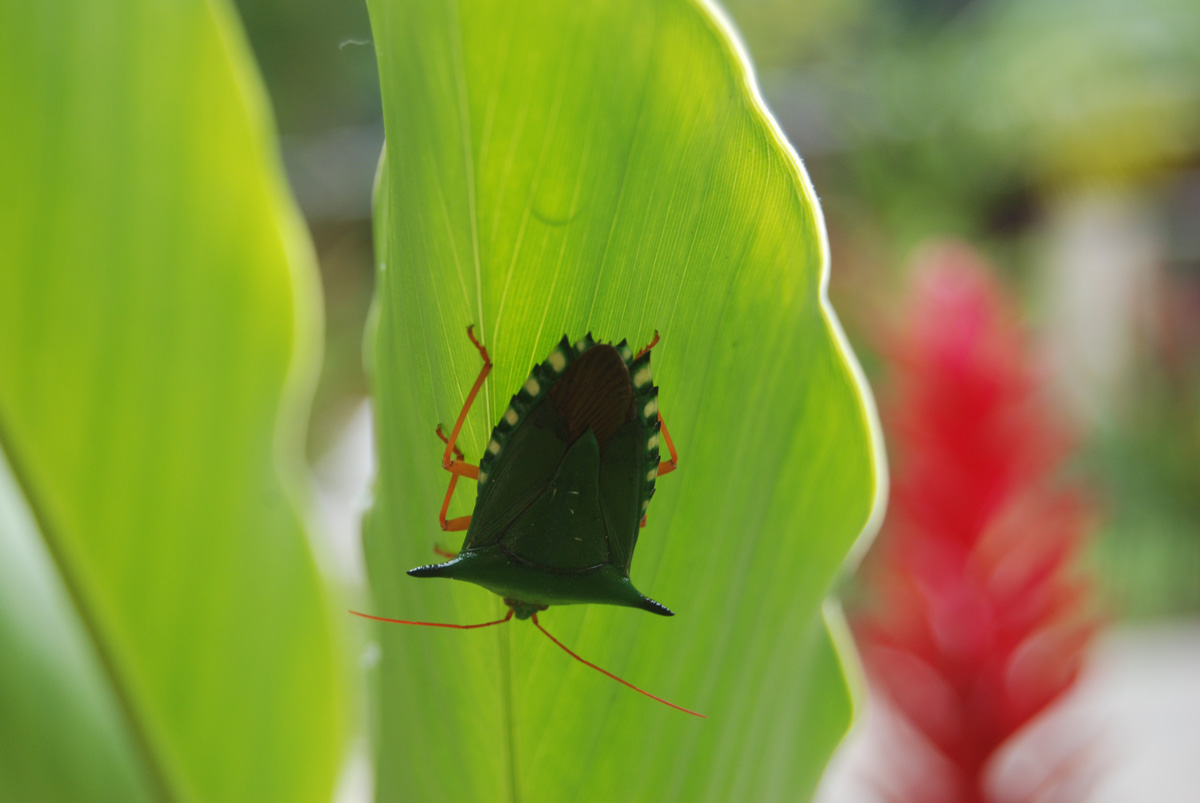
[439,624]
[571,653]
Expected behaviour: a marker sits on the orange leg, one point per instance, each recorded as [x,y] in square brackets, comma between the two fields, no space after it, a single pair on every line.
[447,459]
[457,452]
[670,465]
[438,549]
[457,467]
[452,525]
[649,346]
[461,523]
[673,463]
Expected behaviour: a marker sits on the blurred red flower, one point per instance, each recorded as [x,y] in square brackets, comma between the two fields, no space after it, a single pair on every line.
[972,625]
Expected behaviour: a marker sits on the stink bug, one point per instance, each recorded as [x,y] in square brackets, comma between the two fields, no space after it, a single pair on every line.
[563,486]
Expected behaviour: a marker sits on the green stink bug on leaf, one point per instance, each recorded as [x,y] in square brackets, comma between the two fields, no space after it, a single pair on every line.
[562,488]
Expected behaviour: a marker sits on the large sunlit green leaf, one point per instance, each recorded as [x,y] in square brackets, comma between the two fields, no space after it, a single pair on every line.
[164,633]
[556,168]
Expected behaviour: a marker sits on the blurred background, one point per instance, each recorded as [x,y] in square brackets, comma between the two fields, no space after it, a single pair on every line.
[1057,142]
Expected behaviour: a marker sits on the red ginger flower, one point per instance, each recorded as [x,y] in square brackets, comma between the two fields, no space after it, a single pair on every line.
[973,626]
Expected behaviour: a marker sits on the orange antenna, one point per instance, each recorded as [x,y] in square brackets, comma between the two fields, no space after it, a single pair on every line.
[569,652]
[435,624]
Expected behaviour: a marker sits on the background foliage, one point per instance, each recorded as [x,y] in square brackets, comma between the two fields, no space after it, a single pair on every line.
[164,632]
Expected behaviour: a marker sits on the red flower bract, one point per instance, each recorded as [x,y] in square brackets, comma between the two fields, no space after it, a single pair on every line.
[972,625]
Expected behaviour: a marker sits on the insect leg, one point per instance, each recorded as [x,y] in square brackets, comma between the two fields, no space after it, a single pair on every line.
[648,346]
[673,463]
[448,456]
[457,452]
[452,525]
[457,469]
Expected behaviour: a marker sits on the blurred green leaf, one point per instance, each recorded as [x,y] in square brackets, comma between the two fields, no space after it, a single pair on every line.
[164,632]
[557,168]
[53,682]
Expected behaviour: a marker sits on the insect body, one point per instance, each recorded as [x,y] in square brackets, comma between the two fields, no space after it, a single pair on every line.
[562,488]
[564,483]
